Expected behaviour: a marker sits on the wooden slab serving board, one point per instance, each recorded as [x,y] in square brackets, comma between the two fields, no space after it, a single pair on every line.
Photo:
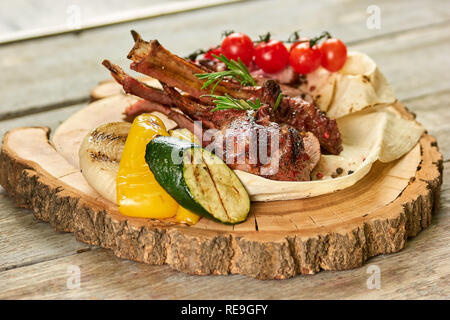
[278,240]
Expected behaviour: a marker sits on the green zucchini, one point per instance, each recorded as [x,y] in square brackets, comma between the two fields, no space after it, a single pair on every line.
[197,179]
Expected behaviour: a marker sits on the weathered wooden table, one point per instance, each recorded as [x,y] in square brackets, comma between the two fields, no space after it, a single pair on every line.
[45,79]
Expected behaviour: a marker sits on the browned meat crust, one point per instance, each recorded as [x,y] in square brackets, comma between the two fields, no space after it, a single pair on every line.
[298,124]
[153,59]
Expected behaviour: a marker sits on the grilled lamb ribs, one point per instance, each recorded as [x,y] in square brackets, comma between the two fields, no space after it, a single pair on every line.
[152,59]
[249,141]
[298,125]
[241,137]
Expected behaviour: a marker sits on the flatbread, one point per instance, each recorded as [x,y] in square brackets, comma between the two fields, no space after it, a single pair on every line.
[358,85]
[369,135]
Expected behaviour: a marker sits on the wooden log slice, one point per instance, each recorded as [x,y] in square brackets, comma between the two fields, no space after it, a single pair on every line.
[279,239]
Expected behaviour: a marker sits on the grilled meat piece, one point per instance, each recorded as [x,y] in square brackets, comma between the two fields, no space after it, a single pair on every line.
[304,116]
[249,141]
[152,59]
[301,114]
[288,136]
[136,87]
[294,111]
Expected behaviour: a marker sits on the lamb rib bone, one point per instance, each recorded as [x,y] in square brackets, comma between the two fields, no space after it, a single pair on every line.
[154,99]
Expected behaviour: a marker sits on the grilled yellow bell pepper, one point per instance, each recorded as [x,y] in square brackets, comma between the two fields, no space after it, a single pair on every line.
[138,192]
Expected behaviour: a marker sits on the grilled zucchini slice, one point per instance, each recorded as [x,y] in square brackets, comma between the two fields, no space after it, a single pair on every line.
[197,179]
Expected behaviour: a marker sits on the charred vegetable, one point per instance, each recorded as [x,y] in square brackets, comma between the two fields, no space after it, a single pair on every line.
[200,181]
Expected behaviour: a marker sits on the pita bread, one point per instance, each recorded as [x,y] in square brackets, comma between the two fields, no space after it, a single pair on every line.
[369,135]
[358,85]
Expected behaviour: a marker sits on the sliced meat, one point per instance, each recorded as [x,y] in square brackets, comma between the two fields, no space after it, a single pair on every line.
[312,148]
[306,117]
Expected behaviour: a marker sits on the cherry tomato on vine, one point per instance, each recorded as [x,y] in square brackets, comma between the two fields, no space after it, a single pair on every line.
[305,59]
[238,45]
[271,56]
[334,54]
[209,54]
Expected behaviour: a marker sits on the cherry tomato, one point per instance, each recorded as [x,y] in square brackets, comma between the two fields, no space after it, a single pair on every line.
[238,45]
[271,56]
[334,54]
[209,54]
[305,59]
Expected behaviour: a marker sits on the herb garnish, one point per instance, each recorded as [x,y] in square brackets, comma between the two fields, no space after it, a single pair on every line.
[236,70]
[227,102]
[277,102]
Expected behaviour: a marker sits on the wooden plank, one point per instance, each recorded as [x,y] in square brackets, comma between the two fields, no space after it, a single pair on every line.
[25,240]
[62,18]
[58,71]
[50,119]
[420,271]
[413,70]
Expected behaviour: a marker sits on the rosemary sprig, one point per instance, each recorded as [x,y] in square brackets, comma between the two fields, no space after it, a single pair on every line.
[236,70]
[277,102]
[227,102]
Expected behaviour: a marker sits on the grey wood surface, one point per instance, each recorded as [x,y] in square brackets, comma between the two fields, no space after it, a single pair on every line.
[45,80]
[26,15]
[31,19]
